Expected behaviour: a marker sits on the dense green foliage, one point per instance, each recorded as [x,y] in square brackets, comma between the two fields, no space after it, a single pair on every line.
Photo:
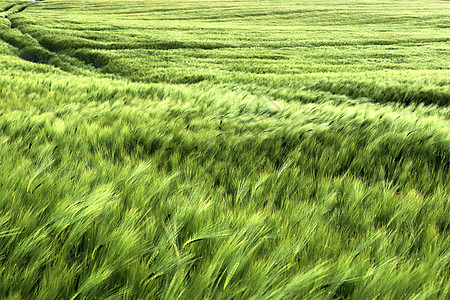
[224,150]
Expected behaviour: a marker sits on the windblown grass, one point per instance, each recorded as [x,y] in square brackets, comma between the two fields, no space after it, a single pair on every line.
[241,150]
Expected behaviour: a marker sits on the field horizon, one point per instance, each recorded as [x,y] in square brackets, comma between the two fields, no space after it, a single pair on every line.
[224,150]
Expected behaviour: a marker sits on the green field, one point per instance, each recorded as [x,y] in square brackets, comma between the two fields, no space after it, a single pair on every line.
[240,149]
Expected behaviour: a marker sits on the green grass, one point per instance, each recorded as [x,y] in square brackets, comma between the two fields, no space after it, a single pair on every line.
[232,150]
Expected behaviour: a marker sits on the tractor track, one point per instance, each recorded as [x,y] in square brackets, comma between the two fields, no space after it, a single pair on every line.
[29,48]
[6,34]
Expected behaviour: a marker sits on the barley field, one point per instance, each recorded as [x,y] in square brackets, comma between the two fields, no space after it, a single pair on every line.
[238,149]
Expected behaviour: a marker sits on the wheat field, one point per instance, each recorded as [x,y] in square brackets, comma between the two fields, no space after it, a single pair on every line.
[241,149]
